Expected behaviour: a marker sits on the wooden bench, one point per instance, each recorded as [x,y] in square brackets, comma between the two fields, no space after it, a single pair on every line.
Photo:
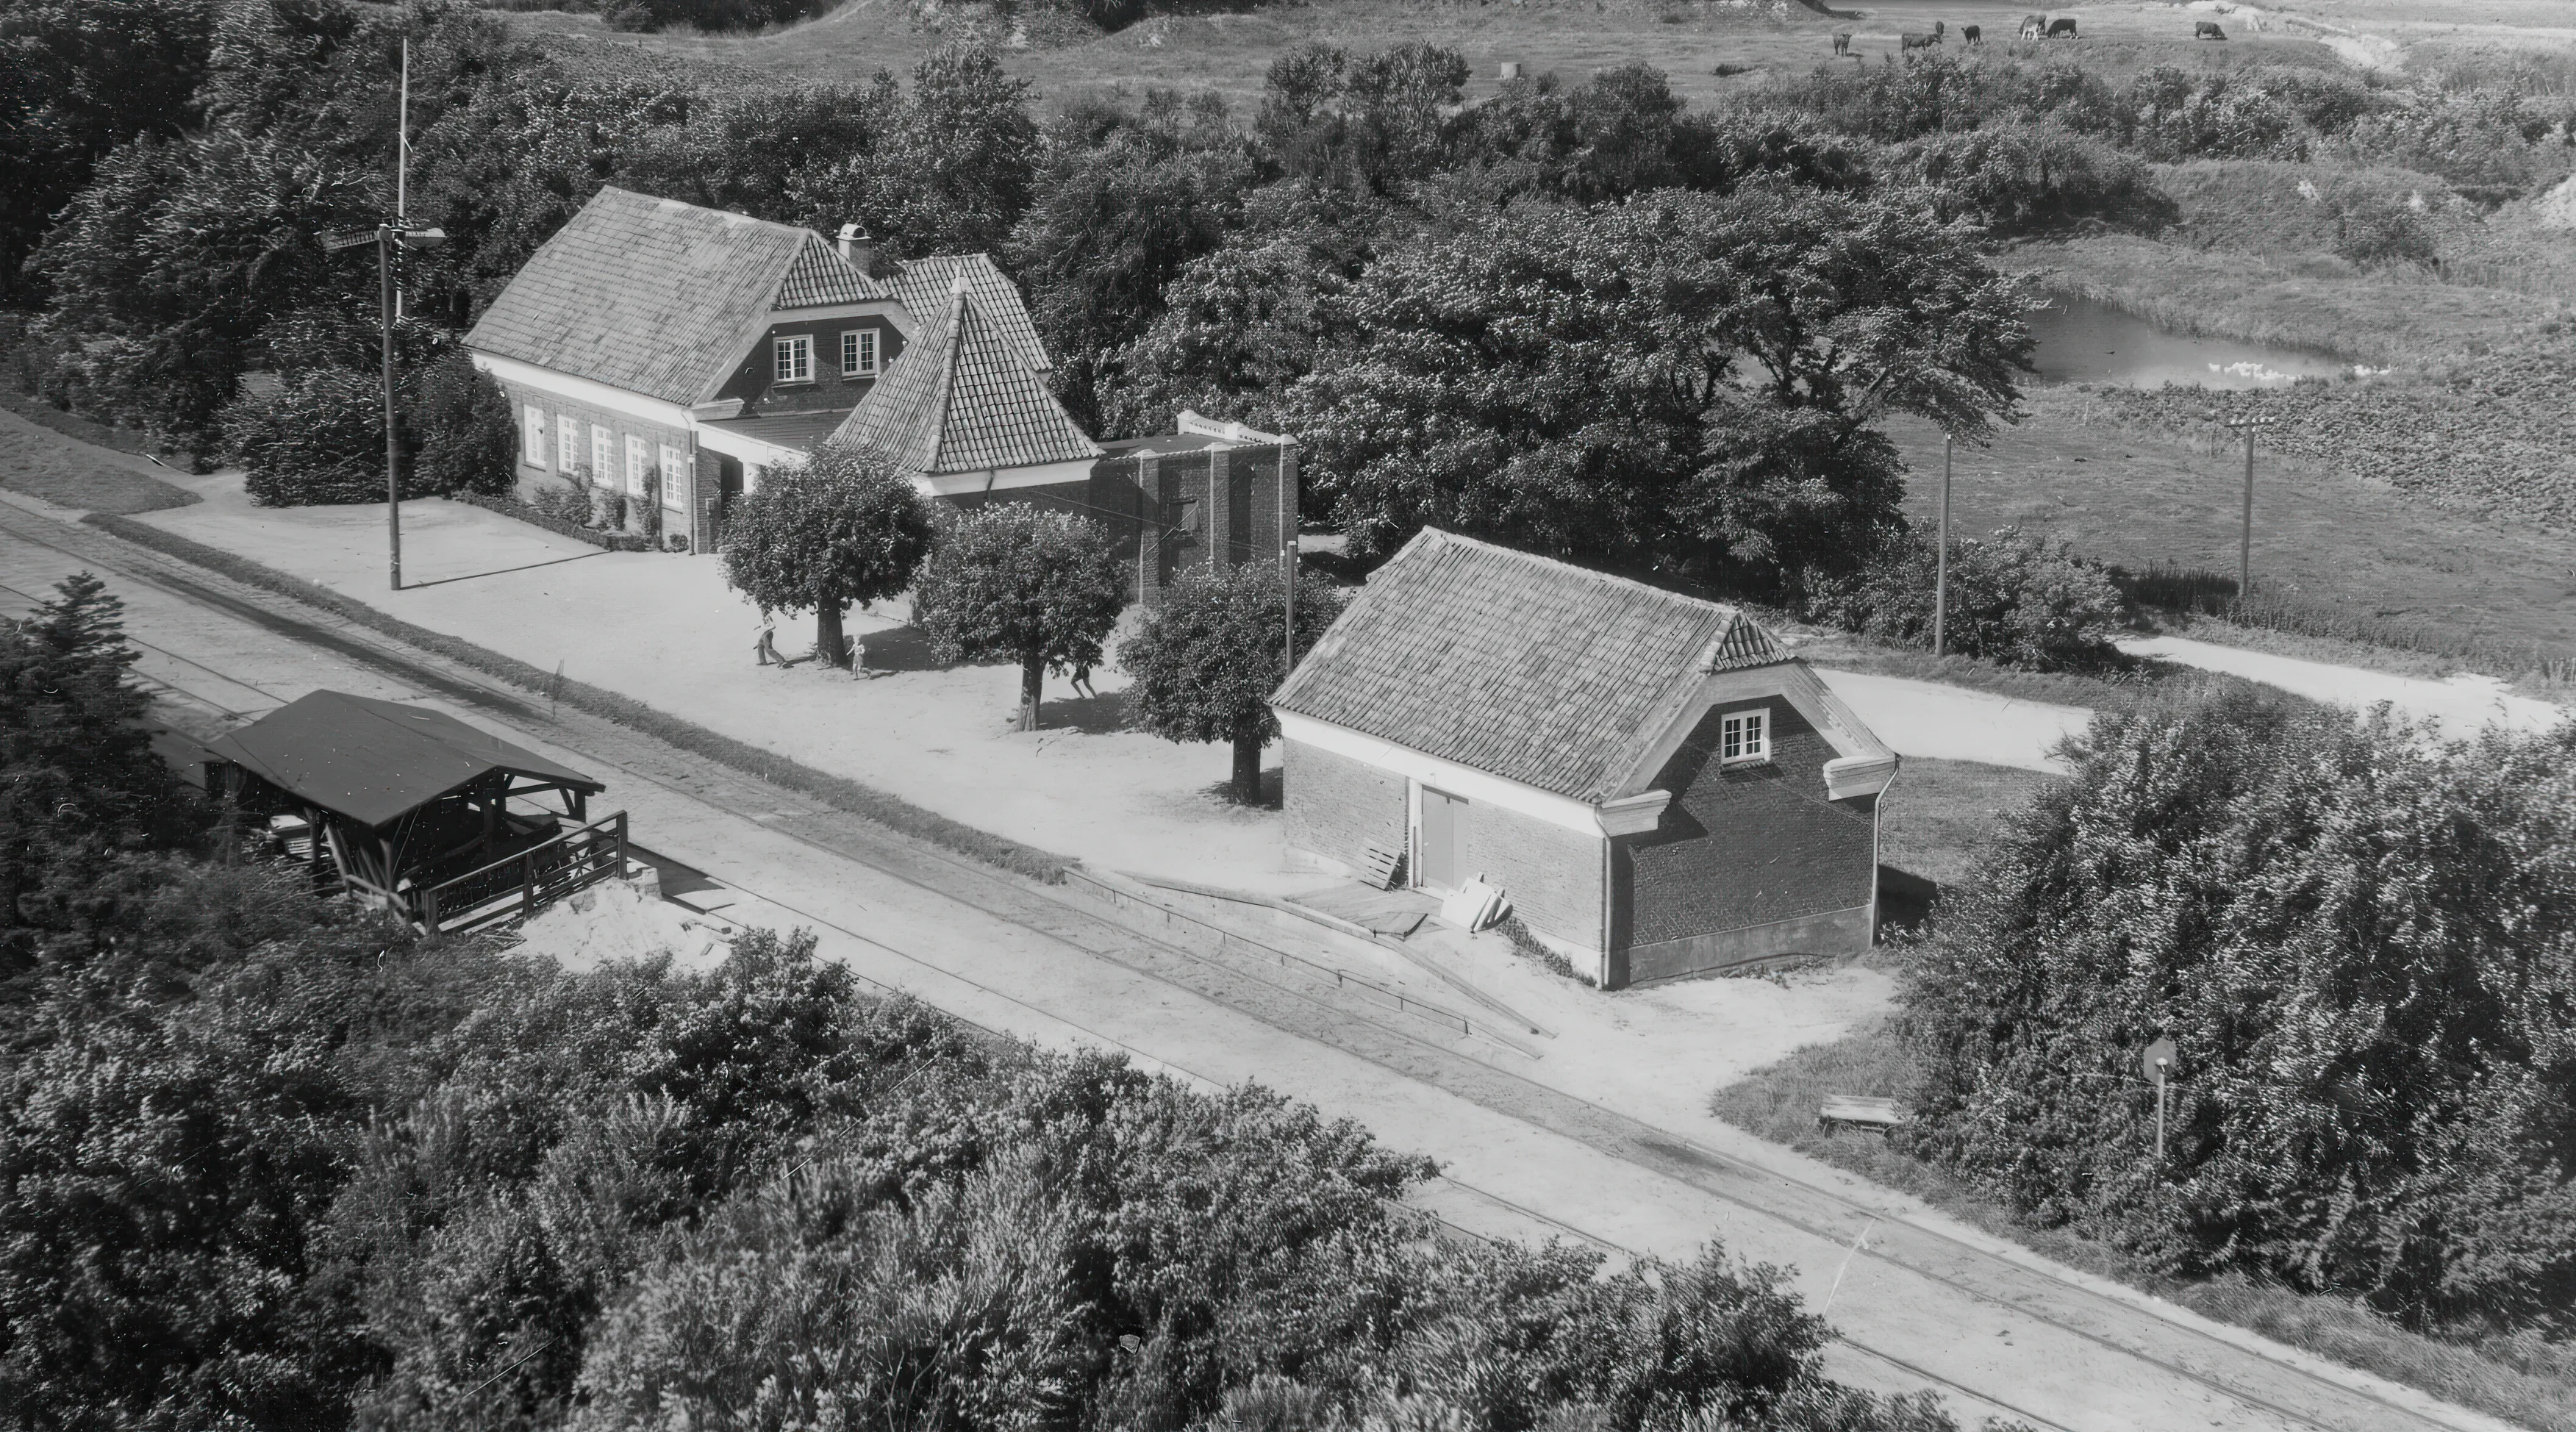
[1863,1113]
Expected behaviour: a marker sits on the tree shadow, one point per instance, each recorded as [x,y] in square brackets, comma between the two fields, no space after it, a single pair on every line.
[1091,715]
[1273,791]
[1905,900]
[903,648]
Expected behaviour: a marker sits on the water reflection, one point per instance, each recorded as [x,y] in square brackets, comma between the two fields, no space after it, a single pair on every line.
[2081,341]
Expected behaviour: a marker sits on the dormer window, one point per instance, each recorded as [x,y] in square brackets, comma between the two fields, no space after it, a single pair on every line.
[859,353]
[793,359]
[1744,737]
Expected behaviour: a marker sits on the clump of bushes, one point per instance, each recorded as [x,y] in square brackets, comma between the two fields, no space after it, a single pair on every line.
[321,438]
[2016,177]
[2016,599]
[2363,944]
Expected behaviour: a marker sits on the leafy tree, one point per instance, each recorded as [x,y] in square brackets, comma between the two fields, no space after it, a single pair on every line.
[846,527]
[1207,659]
[954,169]
[1125,199]
[1677,382]
[77,79]
[78,776]
[2363,943]
[1009,582]
[1372,122]
[168,267]
[748,151]
[320,439]
[2013,178]
[461,420]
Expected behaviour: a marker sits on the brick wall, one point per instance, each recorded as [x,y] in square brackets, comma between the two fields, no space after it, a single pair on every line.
[1744,846]
[1337,807]
[620,426]
[754,381]
[1230,498]
[1552,874]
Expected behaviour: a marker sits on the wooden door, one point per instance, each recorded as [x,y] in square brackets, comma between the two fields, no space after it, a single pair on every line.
[1444,820]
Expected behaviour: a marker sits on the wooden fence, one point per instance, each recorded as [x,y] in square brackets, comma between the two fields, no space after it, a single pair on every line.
[515,887]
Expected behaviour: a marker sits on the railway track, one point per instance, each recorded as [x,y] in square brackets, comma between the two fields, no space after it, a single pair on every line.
[2289,1388]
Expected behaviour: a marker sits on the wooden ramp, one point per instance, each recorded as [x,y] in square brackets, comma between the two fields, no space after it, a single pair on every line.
[1397,913]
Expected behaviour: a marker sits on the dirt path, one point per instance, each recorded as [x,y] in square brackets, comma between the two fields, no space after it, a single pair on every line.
[1921,1301]
[2459,706]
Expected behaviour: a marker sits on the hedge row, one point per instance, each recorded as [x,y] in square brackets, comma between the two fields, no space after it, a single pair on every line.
[513,507]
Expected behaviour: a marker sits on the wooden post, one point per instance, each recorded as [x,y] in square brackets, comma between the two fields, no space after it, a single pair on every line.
[1288,556]
[1941,564]
[2245,536]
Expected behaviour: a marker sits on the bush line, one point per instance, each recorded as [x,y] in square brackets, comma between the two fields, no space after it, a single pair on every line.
[516,510]
[839,792]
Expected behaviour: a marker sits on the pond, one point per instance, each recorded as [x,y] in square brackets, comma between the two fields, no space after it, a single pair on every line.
[2081,341]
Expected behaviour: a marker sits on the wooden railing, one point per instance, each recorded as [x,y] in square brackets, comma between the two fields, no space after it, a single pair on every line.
[515,887]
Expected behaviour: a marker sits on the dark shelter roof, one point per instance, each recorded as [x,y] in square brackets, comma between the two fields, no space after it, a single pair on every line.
[376,761]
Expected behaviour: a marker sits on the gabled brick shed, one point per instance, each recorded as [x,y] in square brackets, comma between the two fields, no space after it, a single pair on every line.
[1661,789]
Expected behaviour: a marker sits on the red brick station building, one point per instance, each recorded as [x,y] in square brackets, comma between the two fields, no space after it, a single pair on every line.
[675,353]
[1659,787]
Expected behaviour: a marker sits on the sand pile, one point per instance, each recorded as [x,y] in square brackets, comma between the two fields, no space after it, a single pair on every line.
[616,921]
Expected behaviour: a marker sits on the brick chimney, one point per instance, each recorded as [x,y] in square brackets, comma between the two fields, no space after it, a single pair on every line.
[858,250]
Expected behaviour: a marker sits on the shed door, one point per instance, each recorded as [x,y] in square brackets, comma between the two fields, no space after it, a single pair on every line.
[1444,822]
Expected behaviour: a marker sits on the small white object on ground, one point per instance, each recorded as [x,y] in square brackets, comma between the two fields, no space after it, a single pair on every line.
[617,921]
[1475,906]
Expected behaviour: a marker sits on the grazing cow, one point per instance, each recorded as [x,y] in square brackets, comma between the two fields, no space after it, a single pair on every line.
[1940,28]
[1916,40]
[2061,27]
[2207,30]
[1971,34]
[2033,26]
[1842,43]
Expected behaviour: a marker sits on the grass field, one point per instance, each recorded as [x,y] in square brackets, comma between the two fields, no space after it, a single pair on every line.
[2521,1379]
[37,459]
[2140,498]
[1229,52]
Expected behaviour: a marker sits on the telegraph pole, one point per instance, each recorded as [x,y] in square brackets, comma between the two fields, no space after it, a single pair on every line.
[2245,538]
[1288,557]
[1941,564]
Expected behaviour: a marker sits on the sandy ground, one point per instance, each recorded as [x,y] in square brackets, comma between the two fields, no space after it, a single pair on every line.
[2458,705]
[666,631]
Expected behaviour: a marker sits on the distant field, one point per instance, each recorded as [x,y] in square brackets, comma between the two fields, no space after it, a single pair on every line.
[2137,499]
[1229,53]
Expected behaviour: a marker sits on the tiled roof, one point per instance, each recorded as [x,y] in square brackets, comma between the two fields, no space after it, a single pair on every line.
[819,275]
[1527,668]
[962,398]
[658,297]
[922,286]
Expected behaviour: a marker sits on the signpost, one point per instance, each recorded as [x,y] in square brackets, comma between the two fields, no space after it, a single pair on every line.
[2158,1062]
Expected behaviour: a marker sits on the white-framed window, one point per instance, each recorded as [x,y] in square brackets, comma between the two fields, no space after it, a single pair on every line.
[567,444]
[639,461]
[535,418]
[792,359]
[603,457]
[674,462]
[1744,736]
[859,353]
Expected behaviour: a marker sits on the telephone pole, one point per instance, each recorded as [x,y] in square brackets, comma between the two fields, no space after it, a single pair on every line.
[2245,537]
[1941,563]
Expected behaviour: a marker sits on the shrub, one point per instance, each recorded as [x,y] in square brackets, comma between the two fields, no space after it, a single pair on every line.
[2018,176]
[2364,946]
[469,442]
[2021,600]
[320,439]
[607,509]
[2376,228]
[567,500]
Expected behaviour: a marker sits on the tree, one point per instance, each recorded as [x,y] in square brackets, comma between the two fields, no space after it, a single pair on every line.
[953,169]
[1679,383]
[846,527]
[2019,600]
[78,776]
[1012,583]
[1208,658]
[461,420]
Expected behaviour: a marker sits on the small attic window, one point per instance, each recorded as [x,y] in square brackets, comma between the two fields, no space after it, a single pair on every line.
[793,359]
[1744,737]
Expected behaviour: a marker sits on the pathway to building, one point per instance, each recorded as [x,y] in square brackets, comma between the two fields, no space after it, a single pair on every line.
[1919,1300]
[2460,704]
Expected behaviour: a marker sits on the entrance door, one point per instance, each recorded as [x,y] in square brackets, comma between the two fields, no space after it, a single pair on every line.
[728,499]
[1444,821]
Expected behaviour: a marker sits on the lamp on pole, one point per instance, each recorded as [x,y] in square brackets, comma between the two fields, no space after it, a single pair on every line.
[389,235]
[2245,538]
[1941,563]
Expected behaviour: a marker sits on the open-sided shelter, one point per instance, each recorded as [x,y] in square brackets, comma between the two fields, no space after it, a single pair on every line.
[1660,788]
[412,805]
